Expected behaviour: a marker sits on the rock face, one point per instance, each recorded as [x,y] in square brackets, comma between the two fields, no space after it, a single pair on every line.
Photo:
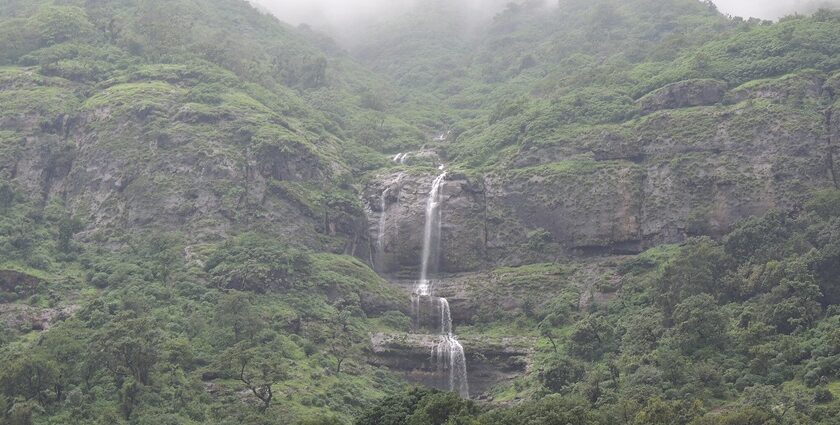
[489,361]
[27,318]
[15,285]
[683,94]
[620,189]
[137,153]
[402,223]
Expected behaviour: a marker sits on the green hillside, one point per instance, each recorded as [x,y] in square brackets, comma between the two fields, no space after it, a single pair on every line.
[202,221]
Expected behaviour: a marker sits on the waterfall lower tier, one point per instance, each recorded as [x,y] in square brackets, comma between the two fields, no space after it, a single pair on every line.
[451,361]
[445,317]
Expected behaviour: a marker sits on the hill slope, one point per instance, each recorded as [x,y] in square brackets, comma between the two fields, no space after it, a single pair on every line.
[193,196]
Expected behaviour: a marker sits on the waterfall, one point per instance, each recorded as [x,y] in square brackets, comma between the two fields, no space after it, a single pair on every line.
[448,354]
[445,317]
[431,232]
[380,234]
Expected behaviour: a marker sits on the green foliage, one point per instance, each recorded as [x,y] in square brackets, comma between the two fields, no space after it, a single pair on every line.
[250,316]
[825,203]
[420,407]
[260,264]
[60,24]
[560,373]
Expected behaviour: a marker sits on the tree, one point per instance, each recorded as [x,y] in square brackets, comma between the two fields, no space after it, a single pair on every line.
[699,323]
[59,24]
[551,410]
[259,264]
[559,373]
[258,367]
[775,400]
[642,331]
[342,343]
[442,408]
[695,270]
[547,330]
[64,348]
[741,416]
[67,227]
[591,337]
[236,310]
[661,412]
[22,411]
[759,239]
[30,377]
[163,253]
[129,347]
[794,304]
[394,409]
[315,72]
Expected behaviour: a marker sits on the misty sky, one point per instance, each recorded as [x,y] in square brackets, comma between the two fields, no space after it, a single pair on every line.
[770,9]
[333,14]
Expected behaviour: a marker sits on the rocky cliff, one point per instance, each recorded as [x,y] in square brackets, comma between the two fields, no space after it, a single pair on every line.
[658,178]
[142,152]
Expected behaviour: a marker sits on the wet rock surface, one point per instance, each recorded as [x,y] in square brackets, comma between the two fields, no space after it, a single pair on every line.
[490,361]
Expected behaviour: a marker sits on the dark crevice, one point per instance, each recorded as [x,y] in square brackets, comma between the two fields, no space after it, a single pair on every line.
[830,148]
[484,202]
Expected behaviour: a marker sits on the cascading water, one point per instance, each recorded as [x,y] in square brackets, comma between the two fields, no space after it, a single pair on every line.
[380,234]
[445,317]
[431,232]
[448,354]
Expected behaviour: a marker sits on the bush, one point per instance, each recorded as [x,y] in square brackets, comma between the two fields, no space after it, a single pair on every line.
[559,373]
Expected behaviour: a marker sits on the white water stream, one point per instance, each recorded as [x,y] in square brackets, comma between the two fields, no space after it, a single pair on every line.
[448,354]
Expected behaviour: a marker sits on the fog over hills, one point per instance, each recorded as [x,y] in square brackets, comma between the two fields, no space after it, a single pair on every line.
[336,15]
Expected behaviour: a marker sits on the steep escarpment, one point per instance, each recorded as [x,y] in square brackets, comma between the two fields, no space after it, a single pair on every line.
[659,178]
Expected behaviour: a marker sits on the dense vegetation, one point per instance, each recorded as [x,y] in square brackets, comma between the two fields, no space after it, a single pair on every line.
[740,331]
[209,262]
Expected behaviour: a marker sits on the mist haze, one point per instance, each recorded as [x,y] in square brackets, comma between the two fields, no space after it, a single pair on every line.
[772,9]
[344,18]
[339,16]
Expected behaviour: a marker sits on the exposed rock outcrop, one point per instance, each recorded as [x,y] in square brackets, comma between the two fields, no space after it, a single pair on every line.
[683,94]
[403,227]
[624,188]
[15,285]
[28,318]
[490,361]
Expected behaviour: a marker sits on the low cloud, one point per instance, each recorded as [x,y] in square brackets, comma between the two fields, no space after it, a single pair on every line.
[772,9]
[345,16]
